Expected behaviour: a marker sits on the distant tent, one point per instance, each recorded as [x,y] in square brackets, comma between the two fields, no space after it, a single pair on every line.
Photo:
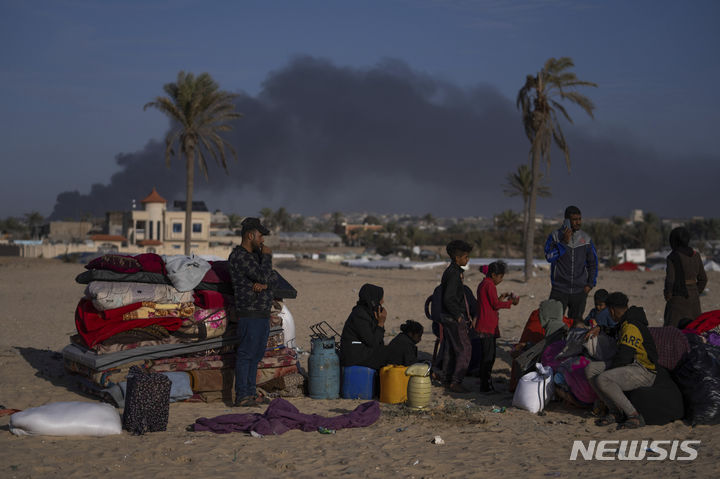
[657,267]
[711,265]
[626,266]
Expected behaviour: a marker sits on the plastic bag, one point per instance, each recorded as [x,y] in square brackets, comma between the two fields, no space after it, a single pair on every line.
[534,389]
[72,418]
[288,324]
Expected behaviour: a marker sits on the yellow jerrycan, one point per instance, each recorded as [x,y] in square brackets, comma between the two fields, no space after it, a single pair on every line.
[393,384]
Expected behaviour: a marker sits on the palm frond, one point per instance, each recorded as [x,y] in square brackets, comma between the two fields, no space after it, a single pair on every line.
[559,138]
[200,111]
[579,99]
[557,106]
[202,164]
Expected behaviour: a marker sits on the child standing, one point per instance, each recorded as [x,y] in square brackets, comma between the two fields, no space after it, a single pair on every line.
[402,350]
[456,338]
[487,321]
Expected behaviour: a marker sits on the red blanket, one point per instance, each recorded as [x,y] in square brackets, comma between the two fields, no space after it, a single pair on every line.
[95,326]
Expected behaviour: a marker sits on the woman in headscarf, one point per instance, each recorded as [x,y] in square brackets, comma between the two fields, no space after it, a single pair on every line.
[685,279]
[362,340]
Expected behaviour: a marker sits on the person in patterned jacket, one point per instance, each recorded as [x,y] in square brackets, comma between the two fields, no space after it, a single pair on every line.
[253,280]
[573,264]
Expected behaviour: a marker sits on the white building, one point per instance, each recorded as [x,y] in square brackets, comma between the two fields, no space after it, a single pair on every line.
[155,226]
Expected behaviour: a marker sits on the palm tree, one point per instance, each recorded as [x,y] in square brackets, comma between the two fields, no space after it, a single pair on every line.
[539,101]
[199,111]
[507,222]
[282,219]
[268,215]
[34,221]
[337,219]
[520,184]
[234,221]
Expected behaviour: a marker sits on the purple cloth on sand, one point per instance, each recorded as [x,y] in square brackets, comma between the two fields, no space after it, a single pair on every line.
[281,416]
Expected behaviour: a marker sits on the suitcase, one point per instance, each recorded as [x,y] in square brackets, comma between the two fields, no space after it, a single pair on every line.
[147,402]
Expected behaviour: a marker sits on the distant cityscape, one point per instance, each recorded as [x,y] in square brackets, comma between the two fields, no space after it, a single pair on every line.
[152,226]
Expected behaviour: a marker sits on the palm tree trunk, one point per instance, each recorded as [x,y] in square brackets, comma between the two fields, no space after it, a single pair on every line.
[189,181]
[526,200]
[532,204]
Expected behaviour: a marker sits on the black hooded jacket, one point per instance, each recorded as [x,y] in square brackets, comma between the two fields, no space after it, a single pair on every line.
[402,351]
[362,340]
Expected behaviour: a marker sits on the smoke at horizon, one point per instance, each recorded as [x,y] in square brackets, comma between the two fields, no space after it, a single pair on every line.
[319,138]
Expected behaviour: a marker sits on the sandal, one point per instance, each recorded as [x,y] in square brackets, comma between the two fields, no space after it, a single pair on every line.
[247,401]
[632,422]
[457,388]
[607,420]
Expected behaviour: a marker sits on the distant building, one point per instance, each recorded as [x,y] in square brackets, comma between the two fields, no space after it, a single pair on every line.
[109,243]
[155,225]
[305,240]
[353,231]
[68,231]
[117,223]
[637,216]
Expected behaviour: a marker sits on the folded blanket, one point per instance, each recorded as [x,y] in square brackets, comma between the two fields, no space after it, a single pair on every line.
[149,262]
[206,380]
[192,364]
[206,299]
[151,309]
[95,326]
[111,294]
[265,375]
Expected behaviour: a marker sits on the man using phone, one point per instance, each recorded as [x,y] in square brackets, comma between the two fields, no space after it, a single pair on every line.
[253,279]
[573,264]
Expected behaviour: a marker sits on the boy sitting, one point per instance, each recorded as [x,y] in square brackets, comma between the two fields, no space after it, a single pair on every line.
[632,367]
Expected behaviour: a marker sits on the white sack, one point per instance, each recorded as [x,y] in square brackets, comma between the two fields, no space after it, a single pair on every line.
[72,418]
[534,389]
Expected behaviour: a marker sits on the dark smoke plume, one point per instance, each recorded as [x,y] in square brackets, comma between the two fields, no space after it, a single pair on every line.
[320,138]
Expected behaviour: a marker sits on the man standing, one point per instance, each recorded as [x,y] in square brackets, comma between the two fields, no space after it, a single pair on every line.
[253,279]
[573,264]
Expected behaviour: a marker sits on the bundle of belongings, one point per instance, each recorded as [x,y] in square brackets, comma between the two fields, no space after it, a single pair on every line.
[699,374]
[687,384]
[172,315]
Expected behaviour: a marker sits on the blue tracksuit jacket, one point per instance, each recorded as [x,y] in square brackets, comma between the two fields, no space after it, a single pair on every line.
[572,266]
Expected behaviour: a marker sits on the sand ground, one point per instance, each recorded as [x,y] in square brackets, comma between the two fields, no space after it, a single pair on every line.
[38,299]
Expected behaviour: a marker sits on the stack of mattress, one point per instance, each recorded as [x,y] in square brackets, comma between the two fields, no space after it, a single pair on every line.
[173,315]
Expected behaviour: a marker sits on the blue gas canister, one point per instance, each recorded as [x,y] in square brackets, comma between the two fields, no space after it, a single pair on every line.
[323,369]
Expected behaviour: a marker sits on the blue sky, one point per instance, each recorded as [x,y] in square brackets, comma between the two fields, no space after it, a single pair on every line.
[74,75]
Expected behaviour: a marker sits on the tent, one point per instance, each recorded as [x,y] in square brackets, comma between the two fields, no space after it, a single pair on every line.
[626,266]
[711,265]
